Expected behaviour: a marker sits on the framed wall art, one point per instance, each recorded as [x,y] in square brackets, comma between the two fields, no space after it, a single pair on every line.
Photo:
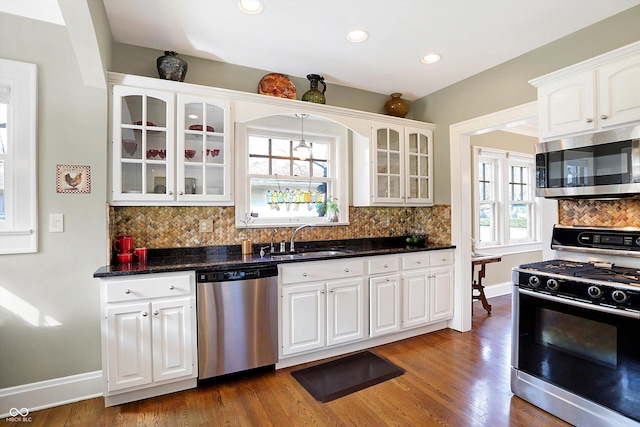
[73,179]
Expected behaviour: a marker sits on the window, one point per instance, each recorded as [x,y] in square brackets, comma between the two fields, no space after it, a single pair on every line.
[505,206]
[282,187]
[18,210]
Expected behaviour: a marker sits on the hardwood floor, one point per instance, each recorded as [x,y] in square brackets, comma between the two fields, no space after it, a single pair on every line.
[451,379]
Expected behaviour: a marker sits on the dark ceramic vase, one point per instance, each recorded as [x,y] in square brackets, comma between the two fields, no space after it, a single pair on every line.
[314,94]
[171,67]
[396,106]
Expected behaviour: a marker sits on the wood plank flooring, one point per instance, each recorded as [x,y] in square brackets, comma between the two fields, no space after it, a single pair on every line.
[452,379]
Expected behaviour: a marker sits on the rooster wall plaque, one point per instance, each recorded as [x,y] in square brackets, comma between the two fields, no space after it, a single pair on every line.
[73,179]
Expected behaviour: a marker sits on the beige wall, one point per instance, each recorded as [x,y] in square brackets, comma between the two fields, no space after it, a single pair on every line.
[57,281]
[506,85]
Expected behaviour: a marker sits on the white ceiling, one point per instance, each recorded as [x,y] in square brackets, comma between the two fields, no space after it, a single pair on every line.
[300,37]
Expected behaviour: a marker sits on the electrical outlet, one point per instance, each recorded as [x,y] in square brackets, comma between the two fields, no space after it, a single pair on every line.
[56,223]
[206,226]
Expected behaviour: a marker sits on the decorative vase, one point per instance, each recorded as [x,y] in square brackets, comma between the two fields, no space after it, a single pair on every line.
[171,67]
[314,94]
[396,106]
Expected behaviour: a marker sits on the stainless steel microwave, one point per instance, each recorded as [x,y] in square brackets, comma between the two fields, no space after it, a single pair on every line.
[601,165]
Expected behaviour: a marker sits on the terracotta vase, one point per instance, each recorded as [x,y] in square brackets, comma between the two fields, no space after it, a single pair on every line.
[171,67]
[396,106]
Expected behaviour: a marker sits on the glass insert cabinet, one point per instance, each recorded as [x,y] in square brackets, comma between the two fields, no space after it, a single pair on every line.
[169,147]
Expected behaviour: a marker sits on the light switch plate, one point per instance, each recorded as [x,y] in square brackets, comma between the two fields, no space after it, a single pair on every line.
[56,223]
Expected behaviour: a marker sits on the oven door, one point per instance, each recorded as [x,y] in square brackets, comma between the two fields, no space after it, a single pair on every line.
[588,350]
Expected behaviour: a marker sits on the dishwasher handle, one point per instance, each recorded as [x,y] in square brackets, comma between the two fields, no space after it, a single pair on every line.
[232,274]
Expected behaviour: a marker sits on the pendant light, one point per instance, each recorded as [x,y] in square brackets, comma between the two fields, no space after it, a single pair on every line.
[302,151]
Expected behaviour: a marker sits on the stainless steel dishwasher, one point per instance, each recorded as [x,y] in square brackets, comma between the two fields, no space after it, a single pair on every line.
[237,320]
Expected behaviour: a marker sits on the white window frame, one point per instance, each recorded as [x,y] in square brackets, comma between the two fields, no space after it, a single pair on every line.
[502,162]
[19,230]
[337,175]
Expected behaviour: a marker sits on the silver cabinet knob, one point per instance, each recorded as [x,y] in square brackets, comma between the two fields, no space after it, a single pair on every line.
[331,291]
[128,291]
[604,117]
[171,193]
[385,266]
[444,260]
[155,313]
[182,193]
[387,279]
[346,270]
[322,291]
[418,262]
[304,274]
[589,120]
[145,314]
[171,287]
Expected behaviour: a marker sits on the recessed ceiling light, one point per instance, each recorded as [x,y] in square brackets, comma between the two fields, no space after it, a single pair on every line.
[431,58]
[357,36]
[251,7]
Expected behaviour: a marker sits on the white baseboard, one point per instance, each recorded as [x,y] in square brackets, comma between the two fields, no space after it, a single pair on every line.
[50,393]
[498,290]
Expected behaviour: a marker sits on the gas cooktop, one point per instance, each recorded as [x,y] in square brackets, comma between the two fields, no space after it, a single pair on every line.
[588,270]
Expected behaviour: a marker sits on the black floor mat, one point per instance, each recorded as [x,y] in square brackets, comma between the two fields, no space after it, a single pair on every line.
[330,380]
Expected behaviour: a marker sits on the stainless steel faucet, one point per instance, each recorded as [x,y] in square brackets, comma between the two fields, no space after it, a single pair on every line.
[293,236]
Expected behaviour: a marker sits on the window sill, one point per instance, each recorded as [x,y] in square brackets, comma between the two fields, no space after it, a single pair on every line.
[510,249]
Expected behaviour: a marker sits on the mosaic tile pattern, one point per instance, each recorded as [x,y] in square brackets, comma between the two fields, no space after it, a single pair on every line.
[172,226]
[612,213]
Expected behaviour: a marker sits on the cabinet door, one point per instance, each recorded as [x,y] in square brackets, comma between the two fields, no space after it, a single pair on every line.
[415,298]
[345,311]
[384,297]
[567,106]
[419,185]
[303,318]
[619,92]
[173,337]
[388,167]
[129,345]
[143,145]
[441,293]
[204,150]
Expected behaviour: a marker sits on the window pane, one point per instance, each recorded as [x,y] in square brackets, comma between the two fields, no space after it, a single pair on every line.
[487,223]
[3,148]
[259,166]
[519,221]
[320,169]
[258,145]
[301,168]
[320,151]
[281,147]
[281,167]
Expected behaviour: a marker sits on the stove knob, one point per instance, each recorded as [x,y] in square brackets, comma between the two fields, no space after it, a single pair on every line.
[619,296]
[552,284]
[534,281]
[594,292]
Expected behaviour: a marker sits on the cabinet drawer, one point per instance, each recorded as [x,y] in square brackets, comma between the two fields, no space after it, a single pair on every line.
[415,260]
[320,270]
[384,264]
[437,258]
[148,286]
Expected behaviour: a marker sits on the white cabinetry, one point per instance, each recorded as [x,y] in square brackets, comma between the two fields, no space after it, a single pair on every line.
[595,95]
[169,147]
[421,294]
[322,305]
[395,167]
[148,335]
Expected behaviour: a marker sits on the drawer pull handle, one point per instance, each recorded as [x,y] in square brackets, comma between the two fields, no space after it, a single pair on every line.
[304,274]
[604,117]
[145,314]
[155,313]
[589,120]
[322,291]
[171,287]
[346,270]
[128,291]
[385,266]
[418,262]
[444,260]
[387,279]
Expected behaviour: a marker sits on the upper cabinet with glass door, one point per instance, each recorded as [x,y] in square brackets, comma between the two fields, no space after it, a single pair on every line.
[143,145]
[395,168]
[203,154]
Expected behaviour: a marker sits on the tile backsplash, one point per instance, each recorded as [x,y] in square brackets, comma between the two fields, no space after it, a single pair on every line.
[177,226]
[612,213]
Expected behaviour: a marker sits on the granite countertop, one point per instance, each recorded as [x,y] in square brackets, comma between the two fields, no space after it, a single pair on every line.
[215,258]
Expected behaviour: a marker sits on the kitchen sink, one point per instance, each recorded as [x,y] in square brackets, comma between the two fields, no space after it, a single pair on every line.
[321,253]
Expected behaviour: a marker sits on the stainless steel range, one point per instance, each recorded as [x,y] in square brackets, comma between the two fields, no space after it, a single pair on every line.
[576,327]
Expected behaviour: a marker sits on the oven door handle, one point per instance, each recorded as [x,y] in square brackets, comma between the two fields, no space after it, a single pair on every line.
[608,310]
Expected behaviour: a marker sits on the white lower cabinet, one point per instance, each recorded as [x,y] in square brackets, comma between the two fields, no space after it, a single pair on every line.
[325,312]
[148,335]
[420,294]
